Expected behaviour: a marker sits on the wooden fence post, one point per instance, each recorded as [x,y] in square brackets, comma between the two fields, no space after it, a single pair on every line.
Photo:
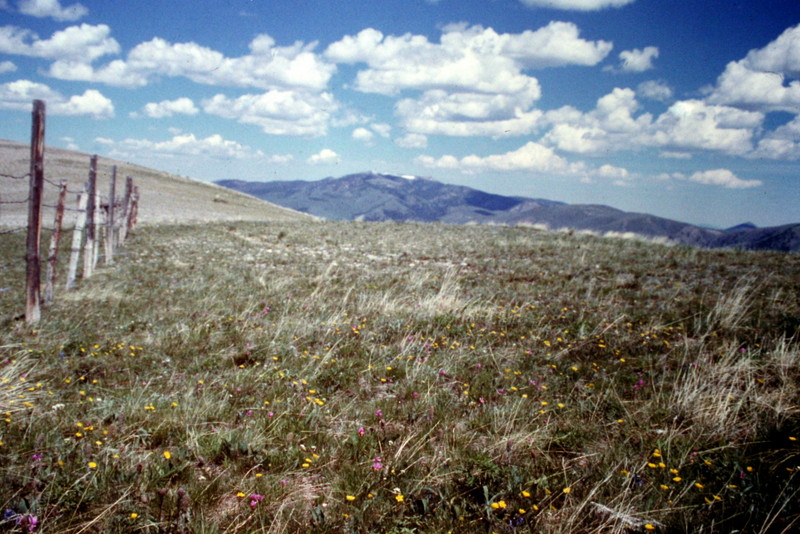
[88,247]
[52,256]
[77,235]
[110,226]
[33,260]
[98,225]
[126,206]
[134,215]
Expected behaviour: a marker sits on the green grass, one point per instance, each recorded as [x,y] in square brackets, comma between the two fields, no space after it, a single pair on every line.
[404,378]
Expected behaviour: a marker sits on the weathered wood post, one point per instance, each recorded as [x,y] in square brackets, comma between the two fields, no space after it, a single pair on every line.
[88,246]
[135,207]
[55,239]
[110,217]
[77,235]
[33,261]
[126,207]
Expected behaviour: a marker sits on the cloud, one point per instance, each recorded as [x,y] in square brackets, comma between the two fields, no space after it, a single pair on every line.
[280,159]
[75,44]
[325,157]
[612,125]
[279,112]
[213,146]
[637,60]
[52,9]
[412,140]
[739,85]
[382,129]
[694,124]
[781,144]
[91,103]
[686,125]
[18,95]
[722,178]
[577,5]
[168,108]
[467,59]
[266,67]
[7,66]
[363,135]
[765,79]
[618,174]
[532,157]
[654,90]
[469,114]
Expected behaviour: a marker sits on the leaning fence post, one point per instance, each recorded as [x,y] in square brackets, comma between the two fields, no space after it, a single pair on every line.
[52,256]
[88,246]
[110,225]
[77,235]
[33,260]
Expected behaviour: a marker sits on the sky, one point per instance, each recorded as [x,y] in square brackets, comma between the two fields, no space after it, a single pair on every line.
[686,109]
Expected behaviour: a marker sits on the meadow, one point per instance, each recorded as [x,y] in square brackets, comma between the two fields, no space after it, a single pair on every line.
[369,377]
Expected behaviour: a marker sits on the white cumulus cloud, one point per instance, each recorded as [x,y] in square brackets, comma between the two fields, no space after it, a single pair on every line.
[52,9]
[654,90]
[363,135]
[638,60]
[412,140]
[470,59]
[75,44]
[723,178]
[214,146]
[532,157]
[18,95]
[577,5]
[7,66]
[766,79]
[325,156]
[267,66]
[279,112]
[168,108]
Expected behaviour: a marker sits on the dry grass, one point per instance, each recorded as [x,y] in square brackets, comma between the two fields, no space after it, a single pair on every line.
[165,198]
[407,378]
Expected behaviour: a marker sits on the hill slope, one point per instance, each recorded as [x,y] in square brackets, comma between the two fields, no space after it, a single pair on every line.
[382,197]
[164,197]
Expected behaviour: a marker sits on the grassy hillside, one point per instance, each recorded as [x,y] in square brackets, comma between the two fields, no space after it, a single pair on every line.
[164,197]
[346,377]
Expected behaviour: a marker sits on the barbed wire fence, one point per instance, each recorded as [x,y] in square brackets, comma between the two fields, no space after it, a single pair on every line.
[95,218]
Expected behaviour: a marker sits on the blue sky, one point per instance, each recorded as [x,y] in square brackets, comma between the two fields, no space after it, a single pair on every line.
[681,108]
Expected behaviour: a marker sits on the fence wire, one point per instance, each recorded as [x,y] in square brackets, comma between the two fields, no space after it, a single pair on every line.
[15,193]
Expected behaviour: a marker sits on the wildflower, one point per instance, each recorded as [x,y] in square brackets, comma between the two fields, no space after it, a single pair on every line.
[698,485]
[255,498]
[92,465]
[567,490]
[648,526]
[361,431]
[399,497]
[167,455]
[376,464]
[525,493]
[379,414]
[134,515]
[350,498]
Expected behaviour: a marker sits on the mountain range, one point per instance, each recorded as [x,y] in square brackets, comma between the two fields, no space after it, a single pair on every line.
[370,196]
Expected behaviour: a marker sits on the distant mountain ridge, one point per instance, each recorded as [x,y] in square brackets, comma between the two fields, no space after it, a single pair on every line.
[370,196]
